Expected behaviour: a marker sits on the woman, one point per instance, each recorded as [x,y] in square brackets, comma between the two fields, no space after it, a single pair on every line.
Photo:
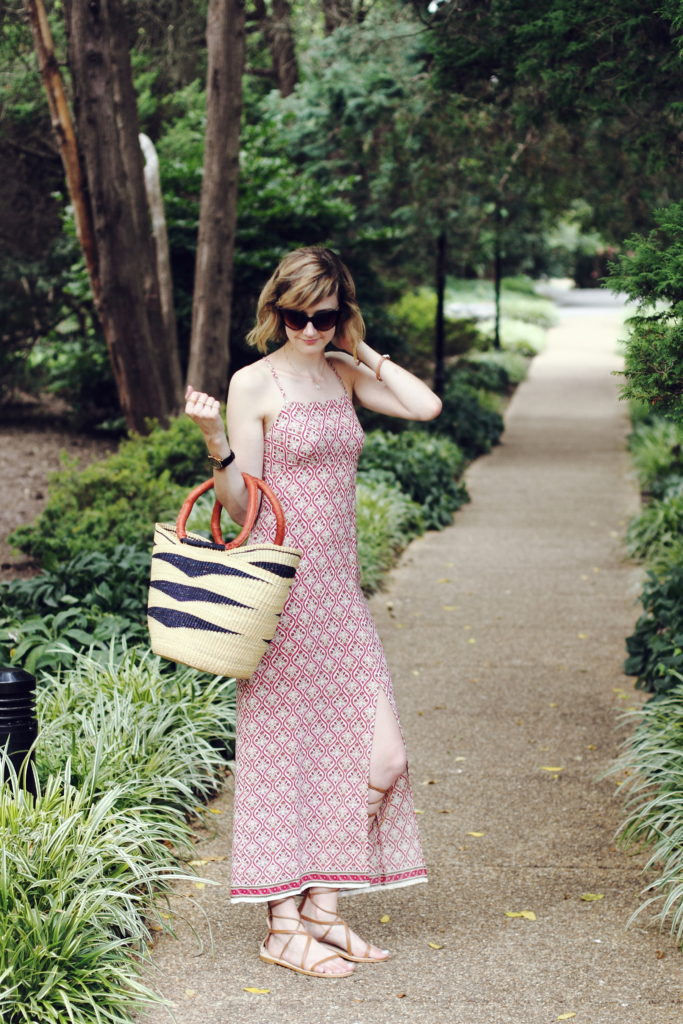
[322,800]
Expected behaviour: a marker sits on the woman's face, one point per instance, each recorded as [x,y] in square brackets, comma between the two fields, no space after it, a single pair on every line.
[310,338]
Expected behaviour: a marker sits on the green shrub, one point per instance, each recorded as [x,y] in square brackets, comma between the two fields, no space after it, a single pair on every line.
[486,376]
[655,648]
[656,530]
[656,450]
[77,877]
[467,418]
[529,309]
[515,365]
[652,766]
[125,718]
[118,500]
[424,467]
[413,320]
[386,520]
[527,339]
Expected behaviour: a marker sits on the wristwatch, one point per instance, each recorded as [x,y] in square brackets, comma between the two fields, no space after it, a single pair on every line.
[220,463]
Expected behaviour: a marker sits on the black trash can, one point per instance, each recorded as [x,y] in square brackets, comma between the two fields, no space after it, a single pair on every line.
[18,725]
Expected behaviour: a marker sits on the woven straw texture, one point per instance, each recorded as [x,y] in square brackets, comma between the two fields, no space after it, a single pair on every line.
[213,609]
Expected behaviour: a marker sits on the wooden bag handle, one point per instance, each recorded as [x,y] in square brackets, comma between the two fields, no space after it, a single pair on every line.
[254,485]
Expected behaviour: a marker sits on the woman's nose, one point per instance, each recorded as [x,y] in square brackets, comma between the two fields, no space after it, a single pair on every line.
[309,329]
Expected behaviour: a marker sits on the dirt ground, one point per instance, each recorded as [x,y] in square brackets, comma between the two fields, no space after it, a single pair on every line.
[33,439]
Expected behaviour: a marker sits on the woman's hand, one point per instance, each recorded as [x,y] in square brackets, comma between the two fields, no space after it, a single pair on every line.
[205,411]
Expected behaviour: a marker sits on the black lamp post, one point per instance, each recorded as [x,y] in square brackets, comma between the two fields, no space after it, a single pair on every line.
[18,725]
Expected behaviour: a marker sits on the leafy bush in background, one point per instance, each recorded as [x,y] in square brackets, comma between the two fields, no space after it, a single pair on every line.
[515,365]
[656,449]
[386,520]
[519,336]
[656,531]
[467,419]
[412,320]
[655,648]
[651,765]
[118,500]
[122,756]
[423,466]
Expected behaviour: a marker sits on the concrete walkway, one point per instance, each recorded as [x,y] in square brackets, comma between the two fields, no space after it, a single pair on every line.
[505,634]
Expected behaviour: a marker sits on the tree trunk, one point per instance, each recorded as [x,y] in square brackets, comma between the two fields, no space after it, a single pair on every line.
[439,326]
[209,346]
[155,203]
[146,367]
[497,271]
[337,13]
[63,128]
[281,39]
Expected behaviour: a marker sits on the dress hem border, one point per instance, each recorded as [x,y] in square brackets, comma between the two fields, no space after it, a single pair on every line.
[346,887]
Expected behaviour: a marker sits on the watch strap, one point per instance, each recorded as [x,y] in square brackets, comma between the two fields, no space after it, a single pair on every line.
[218,463]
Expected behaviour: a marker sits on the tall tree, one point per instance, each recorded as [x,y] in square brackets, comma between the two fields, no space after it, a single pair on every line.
[213,284]
[275,23]
[114,205]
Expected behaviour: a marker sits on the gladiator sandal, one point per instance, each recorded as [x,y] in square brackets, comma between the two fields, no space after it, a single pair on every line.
[311,971]
[345,950]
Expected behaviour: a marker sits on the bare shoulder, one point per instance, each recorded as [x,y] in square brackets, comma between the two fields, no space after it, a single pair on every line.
[252,384]
[344,365]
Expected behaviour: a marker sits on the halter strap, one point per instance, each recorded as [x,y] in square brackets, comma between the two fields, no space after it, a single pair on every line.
[330,363]
[270,366]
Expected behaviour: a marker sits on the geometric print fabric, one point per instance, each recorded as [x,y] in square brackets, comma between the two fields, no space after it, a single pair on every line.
[305,719]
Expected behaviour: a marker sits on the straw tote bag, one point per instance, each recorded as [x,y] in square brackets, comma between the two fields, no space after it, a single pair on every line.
[216,606]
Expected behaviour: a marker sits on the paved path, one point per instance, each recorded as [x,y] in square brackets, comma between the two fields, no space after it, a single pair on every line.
[505,634]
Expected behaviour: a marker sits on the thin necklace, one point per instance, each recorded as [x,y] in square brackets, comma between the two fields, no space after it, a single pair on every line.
[317,384]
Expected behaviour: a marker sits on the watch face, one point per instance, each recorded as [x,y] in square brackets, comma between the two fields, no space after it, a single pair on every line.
[215,462]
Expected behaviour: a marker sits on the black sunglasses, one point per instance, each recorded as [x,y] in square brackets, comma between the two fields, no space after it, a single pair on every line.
[297,320]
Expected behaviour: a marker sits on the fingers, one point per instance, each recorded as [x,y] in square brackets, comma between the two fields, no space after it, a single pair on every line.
[198,401]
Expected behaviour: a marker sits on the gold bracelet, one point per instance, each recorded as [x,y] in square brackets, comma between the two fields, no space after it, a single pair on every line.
[379,365]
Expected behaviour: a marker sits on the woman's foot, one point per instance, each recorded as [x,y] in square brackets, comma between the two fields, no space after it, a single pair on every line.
[289,944]
[318,912]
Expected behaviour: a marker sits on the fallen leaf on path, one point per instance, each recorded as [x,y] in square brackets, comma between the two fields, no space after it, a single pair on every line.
[444,579]
[471,640]
[565,1016]
[418,812]
[435,945]
[476,834]
[528,915]
[189,992]
[550,768]
[212,810]
[385,919]
[416,671]
[401,995]
[591,897]
[450,607]
[199,885]
[258,991]
[582,636]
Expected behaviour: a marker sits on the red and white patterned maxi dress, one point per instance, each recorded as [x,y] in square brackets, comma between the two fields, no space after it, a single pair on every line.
[305,719]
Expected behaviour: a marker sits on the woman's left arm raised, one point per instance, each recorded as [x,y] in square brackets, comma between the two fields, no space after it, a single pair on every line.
[383,386]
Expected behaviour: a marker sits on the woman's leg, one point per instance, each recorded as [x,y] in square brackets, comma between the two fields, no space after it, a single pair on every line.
[319,907]
[319,914]
[388,755]
[293,946]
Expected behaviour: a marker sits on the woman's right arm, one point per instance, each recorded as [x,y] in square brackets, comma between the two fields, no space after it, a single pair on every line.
[245,429]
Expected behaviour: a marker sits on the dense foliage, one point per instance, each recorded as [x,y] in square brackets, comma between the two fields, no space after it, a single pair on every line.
[122,756]
[650,272]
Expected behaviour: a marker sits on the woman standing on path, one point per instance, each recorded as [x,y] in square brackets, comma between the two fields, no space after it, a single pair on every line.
[322,797]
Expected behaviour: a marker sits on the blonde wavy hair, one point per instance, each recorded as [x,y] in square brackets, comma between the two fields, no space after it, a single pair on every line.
[303,278]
